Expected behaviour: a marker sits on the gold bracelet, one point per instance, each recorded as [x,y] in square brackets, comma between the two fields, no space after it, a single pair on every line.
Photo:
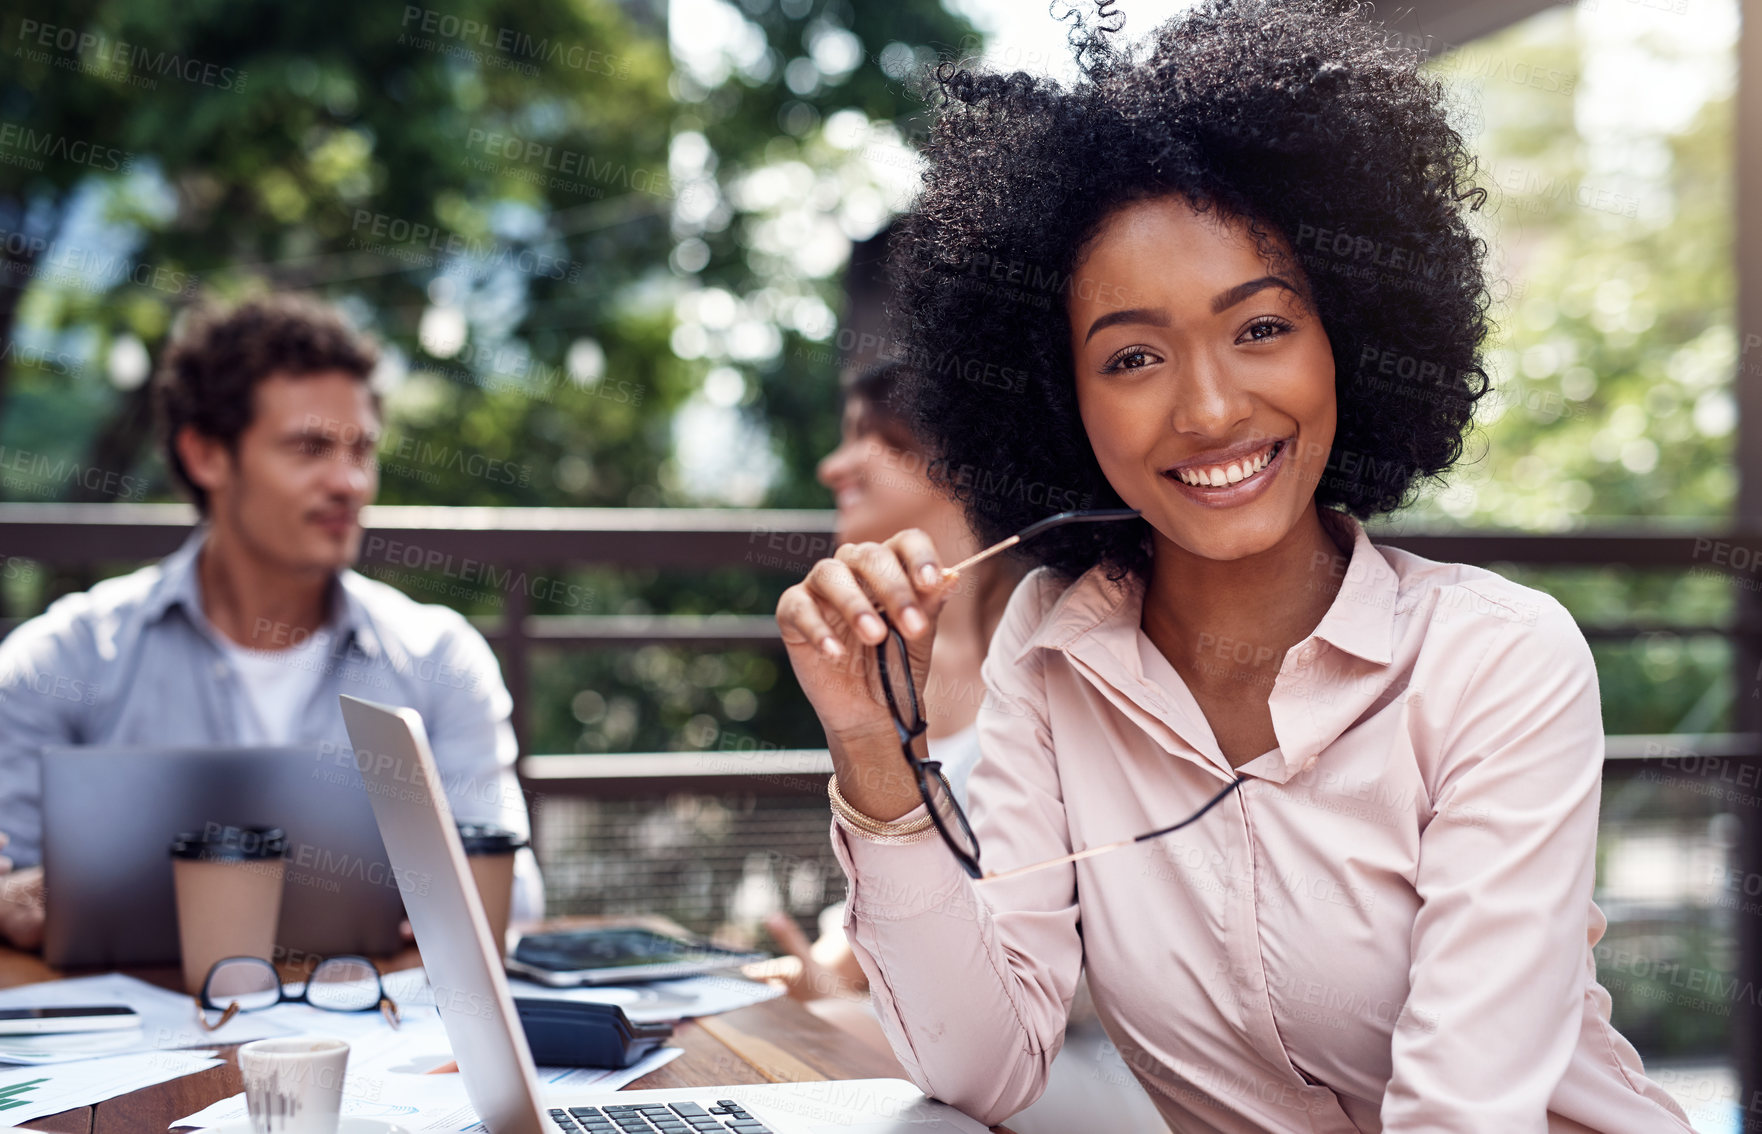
[884,840]
[868,825]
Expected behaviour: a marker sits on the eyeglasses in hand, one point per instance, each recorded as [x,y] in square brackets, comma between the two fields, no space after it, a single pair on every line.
[894,667]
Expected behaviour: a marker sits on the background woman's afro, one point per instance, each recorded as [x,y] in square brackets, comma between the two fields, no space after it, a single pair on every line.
[1292,116]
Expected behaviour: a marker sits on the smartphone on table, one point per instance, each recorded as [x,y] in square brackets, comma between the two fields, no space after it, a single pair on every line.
[619,954]
[77,1018]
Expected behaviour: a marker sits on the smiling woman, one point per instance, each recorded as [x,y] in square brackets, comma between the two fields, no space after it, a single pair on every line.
[1387,925]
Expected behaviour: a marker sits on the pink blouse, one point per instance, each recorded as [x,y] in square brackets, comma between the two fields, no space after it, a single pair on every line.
[1387,928]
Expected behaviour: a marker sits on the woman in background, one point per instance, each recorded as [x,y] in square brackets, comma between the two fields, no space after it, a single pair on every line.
[879,477]
[880,481]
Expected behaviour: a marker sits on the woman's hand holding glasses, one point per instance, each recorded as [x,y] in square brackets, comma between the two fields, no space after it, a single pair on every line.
[887,596]
[831,624]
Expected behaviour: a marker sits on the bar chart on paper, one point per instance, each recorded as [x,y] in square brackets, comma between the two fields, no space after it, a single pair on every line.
[18,1094]
[31,1092]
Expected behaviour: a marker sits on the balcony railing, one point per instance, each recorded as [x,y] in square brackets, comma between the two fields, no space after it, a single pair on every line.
[527,539]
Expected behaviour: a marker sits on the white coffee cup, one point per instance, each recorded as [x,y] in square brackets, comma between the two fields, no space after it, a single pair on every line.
[294,1086]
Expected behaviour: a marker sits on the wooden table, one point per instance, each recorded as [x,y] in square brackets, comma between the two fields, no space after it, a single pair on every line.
[777,1041]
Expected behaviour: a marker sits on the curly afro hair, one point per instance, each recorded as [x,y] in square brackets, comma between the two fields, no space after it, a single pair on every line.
[1294,117]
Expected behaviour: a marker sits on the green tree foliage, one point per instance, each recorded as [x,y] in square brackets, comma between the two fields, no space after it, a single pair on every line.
[383,155]
[1613,360]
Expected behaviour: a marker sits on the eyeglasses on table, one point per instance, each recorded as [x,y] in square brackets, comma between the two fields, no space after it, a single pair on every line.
[344,983]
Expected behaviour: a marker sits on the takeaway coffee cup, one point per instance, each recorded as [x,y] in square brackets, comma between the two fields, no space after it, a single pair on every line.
[228,882]
[490,850]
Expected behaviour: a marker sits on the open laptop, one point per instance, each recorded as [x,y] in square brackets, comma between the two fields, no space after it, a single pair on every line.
[471,991]
[110,814]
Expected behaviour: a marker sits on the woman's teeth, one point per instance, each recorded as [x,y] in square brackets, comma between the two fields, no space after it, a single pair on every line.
[1235,472]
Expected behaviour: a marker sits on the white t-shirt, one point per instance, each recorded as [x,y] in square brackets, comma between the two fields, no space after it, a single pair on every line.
[958,751]
[278,685]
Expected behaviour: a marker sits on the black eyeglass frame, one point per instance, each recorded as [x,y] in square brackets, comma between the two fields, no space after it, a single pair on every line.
[909,731]
[205,1000]
[923,769]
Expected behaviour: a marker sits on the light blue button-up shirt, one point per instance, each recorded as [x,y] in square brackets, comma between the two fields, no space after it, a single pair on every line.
[135,661]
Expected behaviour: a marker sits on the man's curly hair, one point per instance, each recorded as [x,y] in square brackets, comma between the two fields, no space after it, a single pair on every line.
[1292,116]
[209,374]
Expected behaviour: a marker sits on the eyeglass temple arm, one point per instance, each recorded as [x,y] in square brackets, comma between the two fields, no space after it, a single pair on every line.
[1034,529]
[226,1014]
[1209,804]
[994,549]
[1091,852]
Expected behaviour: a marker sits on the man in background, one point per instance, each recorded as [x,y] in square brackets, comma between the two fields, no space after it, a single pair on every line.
[247,633]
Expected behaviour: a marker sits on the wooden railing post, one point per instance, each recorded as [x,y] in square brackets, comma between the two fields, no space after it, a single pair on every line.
[516,670]
[1746,1015]
[1747,651]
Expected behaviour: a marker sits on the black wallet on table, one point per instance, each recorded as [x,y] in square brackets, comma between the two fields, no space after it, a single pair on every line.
[568,1033]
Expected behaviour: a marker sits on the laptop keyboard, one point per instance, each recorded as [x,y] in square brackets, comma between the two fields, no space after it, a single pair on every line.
[720,1117]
